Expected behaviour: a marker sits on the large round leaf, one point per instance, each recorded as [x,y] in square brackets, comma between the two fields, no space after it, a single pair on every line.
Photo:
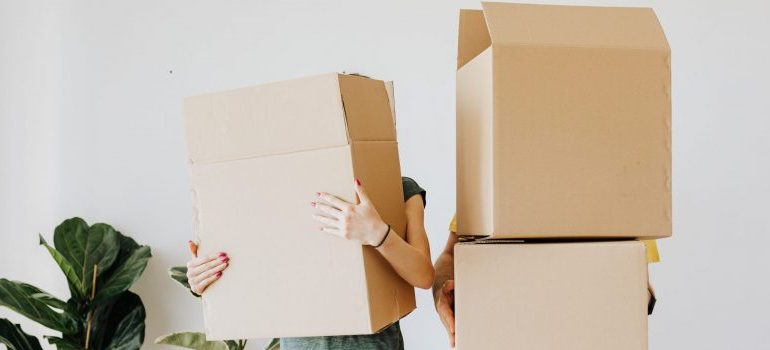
[129,265]
[85,247]
[26,300]
[191,340]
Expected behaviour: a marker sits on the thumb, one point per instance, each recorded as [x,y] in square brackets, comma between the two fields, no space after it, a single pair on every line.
[362,196]
[193,248]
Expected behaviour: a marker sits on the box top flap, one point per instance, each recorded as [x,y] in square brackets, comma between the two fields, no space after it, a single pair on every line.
[472,36]
[302,114]
[574,26]
[367,109]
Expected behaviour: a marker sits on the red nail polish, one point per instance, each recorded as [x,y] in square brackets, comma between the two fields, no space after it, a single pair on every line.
[222,254]
[219,274]
[224,258]
[358,182]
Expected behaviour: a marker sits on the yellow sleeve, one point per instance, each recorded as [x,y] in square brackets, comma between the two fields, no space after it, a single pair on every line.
[453,224]
[652,251]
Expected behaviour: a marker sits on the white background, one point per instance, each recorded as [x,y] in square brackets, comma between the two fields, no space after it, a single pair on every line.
[91,125]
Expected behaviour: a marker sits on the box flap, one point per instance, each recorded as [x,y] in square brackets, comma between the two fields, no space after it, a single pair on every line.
[472,37]
[282,117]
[367,109]
[575,26]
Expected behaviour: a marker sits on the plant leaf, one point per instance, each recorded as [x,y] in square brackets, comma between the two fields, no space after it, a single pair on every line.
[15,338]
[125,274]
[274,344]
[179,274]
[119,324]
[191,340]
[64,344]
[19,297]
[73,278]
[84,247]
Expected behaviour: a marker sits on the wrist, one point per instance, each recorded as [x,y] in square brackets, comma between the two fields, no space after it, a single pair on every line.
[383,236]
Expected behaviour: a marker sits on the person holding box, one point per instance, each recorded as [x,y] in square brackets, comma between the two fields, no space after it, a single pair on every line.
[409,257]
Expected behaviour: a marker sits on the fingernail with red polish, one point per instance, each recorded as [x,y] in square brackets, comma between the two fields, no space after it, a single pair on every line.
[358,182]
[224,258]
[223,254]
[219,274]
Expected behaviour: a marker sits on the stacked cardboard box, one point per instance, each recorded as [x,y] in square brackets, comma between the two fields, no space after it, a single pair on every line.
[563,132]
[257,157]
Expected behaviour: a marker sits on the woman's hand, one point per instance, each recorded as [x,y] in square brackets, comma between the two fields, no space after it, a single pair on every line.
[203,271]
[358,222]
[445,305]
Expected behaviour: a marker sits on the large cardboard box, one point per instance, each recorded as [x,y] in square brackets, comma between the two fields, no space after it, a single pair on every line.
[258,156]
[563,122]
[545,296]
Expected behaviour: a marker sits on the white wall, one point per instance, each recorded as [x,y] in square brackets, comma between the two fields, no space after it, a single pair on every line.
[91,125]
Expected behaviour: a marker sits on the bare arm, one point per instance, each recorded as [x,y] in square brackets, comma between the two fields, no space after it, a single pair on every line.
[410,257]
[444,287]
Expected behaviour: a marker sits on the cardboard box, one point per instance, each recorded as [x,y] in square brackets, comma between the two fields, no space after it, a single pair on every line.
[563,122]
[258,156]
[545,296]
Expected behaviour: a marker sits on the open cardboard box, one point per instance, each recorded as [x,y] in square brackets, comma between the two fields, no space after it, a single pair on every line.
[563,122]
[258,156]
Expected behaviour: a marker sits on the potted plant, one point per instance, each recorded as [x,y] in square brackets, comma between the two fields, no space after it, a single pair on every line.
[100,265]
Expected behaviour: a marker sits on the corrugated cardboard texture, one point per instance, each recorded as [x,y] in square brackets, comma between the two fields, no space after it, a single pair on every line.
[252,200]
[581,141]
[578,296]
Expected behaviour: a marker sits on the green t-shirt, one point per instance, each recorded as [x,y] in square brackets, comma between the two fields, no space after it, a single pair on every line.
[387,339]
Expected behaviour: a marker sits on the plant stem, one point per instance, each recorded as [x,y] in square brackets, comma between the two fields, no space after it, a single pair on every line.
[91,312]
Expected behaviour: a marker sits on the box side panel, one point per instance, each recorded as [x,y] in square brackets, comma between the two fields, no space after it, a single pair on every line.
[582,142]
[582,296]
[472,37]
[367,109]
[474,146]
[282,117]
[574,26]
[285,278]
[376,164]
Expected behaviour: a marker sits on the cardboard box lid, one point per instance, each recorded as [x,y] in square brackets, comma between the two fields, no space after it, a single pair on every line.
[503,24]
[302,114]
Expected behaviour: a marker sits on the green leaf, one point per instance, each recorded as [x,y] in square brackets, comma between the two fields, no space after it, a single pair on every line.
[179,274]
[15,338]
[274,344]
[20,297]
[191,340]
[120,324]
[73,278]
[64,344]
[85,247]
[126,273]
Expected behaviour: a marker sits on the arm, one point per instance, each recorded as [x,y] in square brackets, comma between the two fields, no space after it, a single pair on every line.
[444,286]
[410,257]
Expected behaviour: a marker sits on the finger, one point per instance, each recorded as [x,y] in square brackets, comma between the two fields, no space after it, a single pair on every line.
[449,285]
[362,196]
[208,273]
[326,220]
[327,209]
[202,285]
[193,247]
[334,201]
[331,230]
[447,316]
[209,265]
[202,260]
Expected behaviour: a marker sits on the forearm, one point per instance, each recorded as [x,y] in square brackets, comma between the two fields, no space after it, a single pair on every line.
[445,270]
[411,264]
